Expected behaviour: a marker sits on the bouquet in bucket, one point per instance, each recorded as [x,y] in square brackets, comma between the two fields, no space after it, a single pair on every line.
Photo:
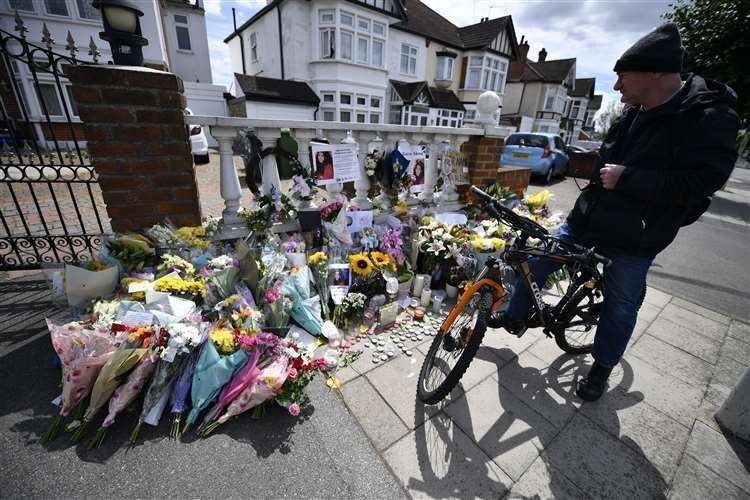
[181,340]
[82,352]
[318,265]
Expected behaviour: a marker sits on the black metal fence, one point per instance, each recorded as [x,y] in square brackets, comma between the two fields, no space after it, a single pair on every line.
[51,208]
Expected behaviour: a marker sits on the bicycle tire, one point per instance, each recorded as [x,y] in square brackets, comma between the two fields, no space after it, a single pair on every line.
[451,380]
[561,339]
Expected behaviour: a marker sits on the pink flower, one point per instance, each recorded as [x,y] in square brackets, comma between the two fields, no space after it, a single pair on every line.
[292,374]
[294,409]
[273,294]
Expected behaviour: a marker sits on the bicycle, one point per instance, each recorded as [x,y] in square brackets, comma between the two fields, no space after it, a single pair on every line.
[570,322]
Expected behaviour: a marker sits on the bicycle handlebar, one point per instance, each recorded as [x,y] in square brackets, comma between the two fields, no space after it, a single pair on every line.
[535,230]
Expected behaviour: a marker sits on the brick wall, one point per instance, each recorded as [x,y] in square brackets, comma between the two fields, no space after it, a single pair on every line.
[134,123]
[483,157]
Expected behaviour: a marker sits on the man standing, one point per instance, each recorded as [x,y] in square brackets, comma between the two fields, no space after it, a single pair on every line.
[671,149]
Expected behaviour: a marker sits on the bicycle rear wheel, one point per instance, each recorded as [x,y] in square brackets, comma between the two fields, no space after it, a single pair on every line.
[453,348]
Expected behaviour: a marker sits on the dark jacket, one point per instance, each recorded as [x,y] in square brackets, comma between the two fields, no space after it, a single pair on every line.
[676,156]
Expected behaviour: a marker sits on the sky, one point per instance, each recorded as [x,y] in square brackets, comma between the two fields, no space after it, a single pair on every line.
[596,32]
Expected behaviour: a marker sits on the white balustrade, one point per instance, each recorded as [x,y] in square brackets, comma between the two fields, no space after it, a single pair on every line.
[225,130]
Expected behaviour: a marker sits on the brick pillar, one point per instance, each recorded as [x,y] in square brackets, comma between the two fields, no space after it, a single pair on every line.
[139,145]
[483,156]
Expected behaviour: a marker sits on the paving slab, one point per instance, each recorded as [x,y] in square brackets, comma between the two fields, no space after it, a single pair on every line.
[378,420]
[542,481]
[726,456]
[736,350]
[438,460]
[657,297]
[396,381]
[660,438]
[508,346]
[694,481]
[649,311]
[502,425]
[739,330]
[673,361]
[603,466]
[694,321]
[542,388]
[725,378]
[705,348]
[703,311]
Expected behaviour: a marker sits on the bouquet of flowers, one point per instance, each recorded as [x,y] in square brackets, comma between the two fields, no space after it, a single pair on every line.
[294,248]
[536,207]
[277,307]
[318,265]
[82,352]
[222,275]
[180,392]
[190,287]
[330,211]
[182,339]
[439,242]
[219,358]
[174,263]
[349,310]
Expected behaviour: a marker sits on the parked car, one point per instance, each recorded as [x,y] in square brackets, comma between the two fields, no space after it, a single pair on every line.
[198,142]
[543,153]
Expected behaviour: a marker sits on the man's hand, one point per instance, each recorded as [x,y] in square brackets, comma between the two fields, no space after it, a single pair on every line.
[610,174]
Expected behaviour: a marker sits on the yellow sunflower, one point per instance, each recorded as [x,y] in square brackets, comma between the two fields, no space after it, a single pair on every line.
[360,264]
[380,259]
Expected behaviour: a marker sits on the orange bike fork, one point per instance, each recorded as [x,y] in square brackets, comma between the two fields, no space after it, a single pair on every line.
[467,295]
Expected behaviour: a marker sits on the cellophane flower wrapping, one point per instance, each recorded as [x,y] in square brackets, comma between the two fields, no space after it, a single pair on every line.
[267,385]
[305,311]
[127,392]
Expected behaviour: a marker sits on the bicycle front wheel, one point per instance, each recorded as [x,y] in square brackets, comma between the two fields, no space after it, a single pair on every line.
[453,349]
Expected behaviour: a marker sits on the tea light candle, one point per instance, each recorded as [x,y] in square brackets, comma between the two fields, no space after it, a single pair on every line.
[425,298]
[419,313]
[418,285]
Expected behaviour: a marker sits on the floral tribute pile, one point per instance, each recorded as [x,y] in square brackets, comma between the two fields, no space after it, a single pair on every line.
[177,326]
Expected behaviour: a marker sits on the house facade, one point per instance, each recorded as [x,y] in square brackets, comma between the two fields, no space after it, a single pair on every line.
[177,42]
[547,94]
[373,61]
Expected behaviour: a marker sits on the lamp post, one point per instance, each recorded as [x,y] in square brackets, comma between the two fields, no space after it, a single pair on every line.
[122,30]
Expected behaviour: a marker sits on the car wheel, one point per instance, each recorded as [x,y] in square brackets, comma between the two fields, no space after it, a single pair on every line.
[201,159]
[548,175]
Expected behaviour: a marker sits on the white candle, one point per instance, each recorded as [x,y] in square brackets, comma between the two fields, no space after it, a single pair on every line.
[425,299]
[418,285]
[437,302]
[427,280]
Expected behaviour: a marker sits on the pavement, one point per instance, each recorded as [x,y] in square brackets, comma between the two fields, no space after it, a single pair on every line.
[513,428]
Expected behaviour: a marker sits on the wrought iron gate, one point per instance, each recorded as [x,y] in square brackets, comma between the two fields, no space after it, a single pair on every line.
[51,208]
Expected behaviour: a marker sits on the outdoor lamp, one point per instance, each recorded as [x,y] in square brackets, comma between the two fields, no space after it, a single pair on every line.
[122,30]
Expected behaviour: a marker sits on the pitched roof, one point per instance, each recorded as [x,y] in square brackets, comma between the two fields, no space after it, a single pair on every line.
[595,103]
[422,20]
[583,87]
[482,34]
[258,88]
[439,98]
[548,71]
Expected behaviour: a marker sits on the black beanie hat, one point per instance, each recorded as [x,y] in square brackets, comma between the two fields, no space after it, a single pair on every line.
[659,51]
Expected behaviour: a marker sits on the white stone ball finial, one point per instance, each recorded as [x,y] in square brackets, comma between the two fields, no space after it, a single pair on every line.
[487,107]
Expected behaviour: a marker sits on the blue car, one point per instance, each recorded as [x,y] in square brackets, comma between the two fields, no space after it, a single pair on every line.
[543,153]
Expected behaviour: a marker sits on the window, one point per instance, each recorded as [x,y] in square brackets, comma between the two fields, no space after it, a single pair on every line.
[253,47]
[346,45]
[474,73]
[183,32]
[329,97]
[378,28]
[56,7]
[374,117]
[486,73]
[26,5]
[555,99]
[375,102]
[377,53]
[329,116]
[51,99]
[575,109]
[86,10]
[346,116]
[361,100]
[73,107]
[361,117]
[444,68]
[326,16]
[347,19]
[408,59]
[327,43]
[470,115]
[363,50]
[363,24]
[346,99]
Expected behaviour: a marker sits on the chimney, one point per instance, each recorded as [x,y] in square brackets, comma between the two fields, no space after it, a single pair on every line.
[542,55]
[517,66]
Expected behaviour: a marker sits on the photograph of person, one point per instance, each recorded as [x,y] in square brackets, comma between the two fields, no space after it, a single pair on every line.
[338,275]
[418,172]
[323,166]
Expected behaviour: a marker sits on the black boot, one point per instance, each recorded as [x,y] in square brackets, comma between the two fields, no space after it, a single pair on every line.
[593,386]
[500,320]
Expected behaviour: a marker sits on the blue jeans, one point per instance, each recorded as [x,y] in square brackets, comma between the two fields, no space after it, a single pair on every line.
[625,279]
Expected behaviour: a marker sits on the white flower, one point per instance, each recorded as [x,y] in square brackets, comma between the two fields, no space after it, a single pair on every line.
[454,250]
[300,186]
[436,247]
[221,262]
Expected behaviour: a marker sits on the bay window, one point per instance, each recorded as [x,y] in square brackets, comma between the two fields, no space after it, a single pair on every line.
[56,7]
[363,50]
[444,68]
[555,99]
[377,52]
[486,73]
[360,39]
[327,43]
[347,39]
